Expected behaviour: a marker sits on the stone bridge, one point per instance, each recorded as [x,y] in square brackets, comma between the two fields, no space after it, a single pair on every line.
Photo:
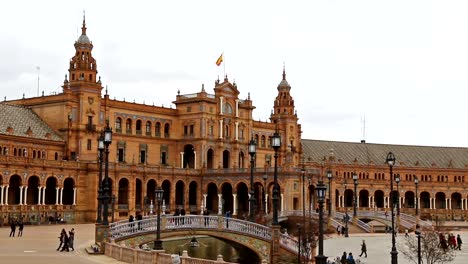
[251,235]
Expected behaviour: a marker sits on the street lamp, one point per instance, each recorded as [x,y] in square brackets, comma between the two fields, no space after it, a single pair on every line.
[113,206]
[418,233]
[329,176]
[276,144]
[355,180]
[158,194]
[391,161]
[264,194]
[416,183]
[101,150]
[106,197]
[346,217]
[321,190]
[397,180]
[252,150]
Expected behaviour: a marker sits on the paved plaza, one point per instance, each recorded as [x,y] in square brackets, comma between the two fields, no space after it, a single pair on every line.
[39,243]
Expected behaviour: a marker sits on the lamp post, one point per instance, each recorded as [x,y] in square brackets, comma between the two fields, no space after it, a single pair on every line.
[391,161]
[158,194]
[113,207]
[264,194]
[355,180]
[329,176]
[416,183]
[101,150]
[276,144]
[252,150]
[321,190]
[418,233]
[346,217]
[397,180]
[106,197]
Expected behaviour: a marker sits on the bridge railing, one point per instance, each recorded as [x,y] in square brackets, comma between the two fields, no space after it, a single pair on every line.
[124,229]
[339,216]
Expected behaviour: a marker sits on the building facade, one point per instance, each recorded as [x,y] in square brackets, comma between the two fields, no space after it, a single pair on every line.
[198,153]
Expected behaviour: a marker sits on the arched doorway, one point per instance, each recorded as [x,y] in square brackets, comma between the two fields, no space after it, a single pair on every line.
[138,196]
[189,156]
[50,191]
[179,195]
[166,186]
[409,200]
[227,198]
[212,198]
[425,200]
[226,159]
[14,190]
[456,200]
[379,199]
[68,192]
[363,199]
[242,200]
[193,189]
[33,190]
[123,192]
[440,200]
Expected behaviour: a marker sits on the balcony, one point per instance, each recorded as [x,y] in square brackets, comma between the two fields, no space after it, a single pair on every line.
[91,128]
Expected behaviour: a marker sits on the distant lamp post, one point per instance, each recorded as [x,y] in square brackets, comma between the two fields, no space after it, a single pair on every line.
[397,180]
[252,151]
[355,180]
[321,192]
[158,194]
[346,216]
[416,200]
[100,191]
[264,194]
[330,177]
[113,207]
[418,233]
[106,195]
[391,162]
[276,144]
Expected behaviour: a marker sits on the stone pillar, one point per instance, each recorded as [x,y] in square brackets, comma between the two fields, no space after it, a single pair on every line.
[61,196]
[6,195]
[369,202]
[266,203]
[43,195]
[195,160]
[1,194]
[74,196]
[21,195]
[221,105]
[204,199]
[220,204]
[56,195]
[39,195]
[236,132]
[275,244]
[282,203]
[25,195]
[101,235]
[220,128]
[357,201]
[237,108]
[234,206]
[181,159]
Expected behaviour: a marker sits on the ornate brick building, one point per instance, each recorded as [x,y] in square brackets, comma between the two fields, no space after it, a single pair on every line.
[197,152]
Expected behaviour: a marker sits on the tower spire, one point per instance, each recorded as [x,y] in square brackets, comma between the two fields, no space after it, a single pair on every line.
[284,71]
[83,28]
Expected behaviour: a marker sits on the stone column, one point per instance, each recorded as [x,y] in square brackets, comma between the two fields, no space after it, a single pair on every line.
[61,196]
[220,128]
[204,199]
[282,203]
[25,195]
[221,105]
[74,196]
[43,195]
[266,203]
[1,194]
[182,159]
[357,201]
[236,135]
[39,195]
[234,206]
[220,204]
[369,202]
[21,195]
[195,159]
[237,107]
[6,194]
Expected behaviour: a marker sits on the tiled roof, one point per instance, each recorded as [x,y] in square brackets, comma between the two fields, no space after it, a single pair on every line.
[23,122]
[375,154]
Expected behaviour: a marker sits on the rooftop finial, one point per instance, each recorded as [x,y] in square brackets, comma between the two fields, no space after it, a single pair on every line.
[83,28]
[284,71]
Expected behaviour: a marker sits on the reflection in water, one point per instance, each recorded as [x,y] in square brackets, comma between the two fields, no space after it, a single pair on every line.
[210,248]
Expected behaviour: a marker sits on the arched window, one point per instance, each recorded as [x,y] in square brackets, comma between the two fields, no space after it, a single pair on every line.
[138,127]
[148,128]
[158,129]
[227,109]
[128,126]
[118,125]
[166,130]
[263,142]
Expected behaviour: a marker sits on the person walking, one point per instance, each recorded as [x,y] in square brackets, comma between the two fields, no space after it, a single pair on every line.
[66,241]
[20,228]
[363,248]
[13,228]
[459,242]
[71,239]
[63,233]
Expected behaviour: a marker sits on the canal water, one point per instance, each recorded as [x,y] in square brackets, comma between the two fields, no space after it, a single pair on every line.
[207,247]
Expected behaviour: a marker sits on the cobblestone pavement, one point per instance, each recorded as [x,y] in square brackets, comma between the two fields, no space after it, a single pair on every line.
[39,243]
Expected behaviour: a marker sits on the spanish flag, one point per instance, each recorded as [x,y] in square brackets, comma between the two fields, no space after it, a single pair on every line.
[219,60]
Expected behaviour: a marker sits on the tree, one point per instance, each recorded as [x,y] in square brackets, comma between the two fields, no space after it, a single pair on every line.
[431,251]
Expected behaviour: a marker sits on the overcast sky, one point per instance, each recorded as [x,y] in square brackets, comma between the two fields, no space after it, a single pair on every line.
[403,65]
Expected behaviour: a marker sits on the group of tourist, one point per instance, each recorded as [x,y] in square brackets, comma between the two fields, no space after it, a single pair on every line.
[449,241]
[14,223]
[66,240]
